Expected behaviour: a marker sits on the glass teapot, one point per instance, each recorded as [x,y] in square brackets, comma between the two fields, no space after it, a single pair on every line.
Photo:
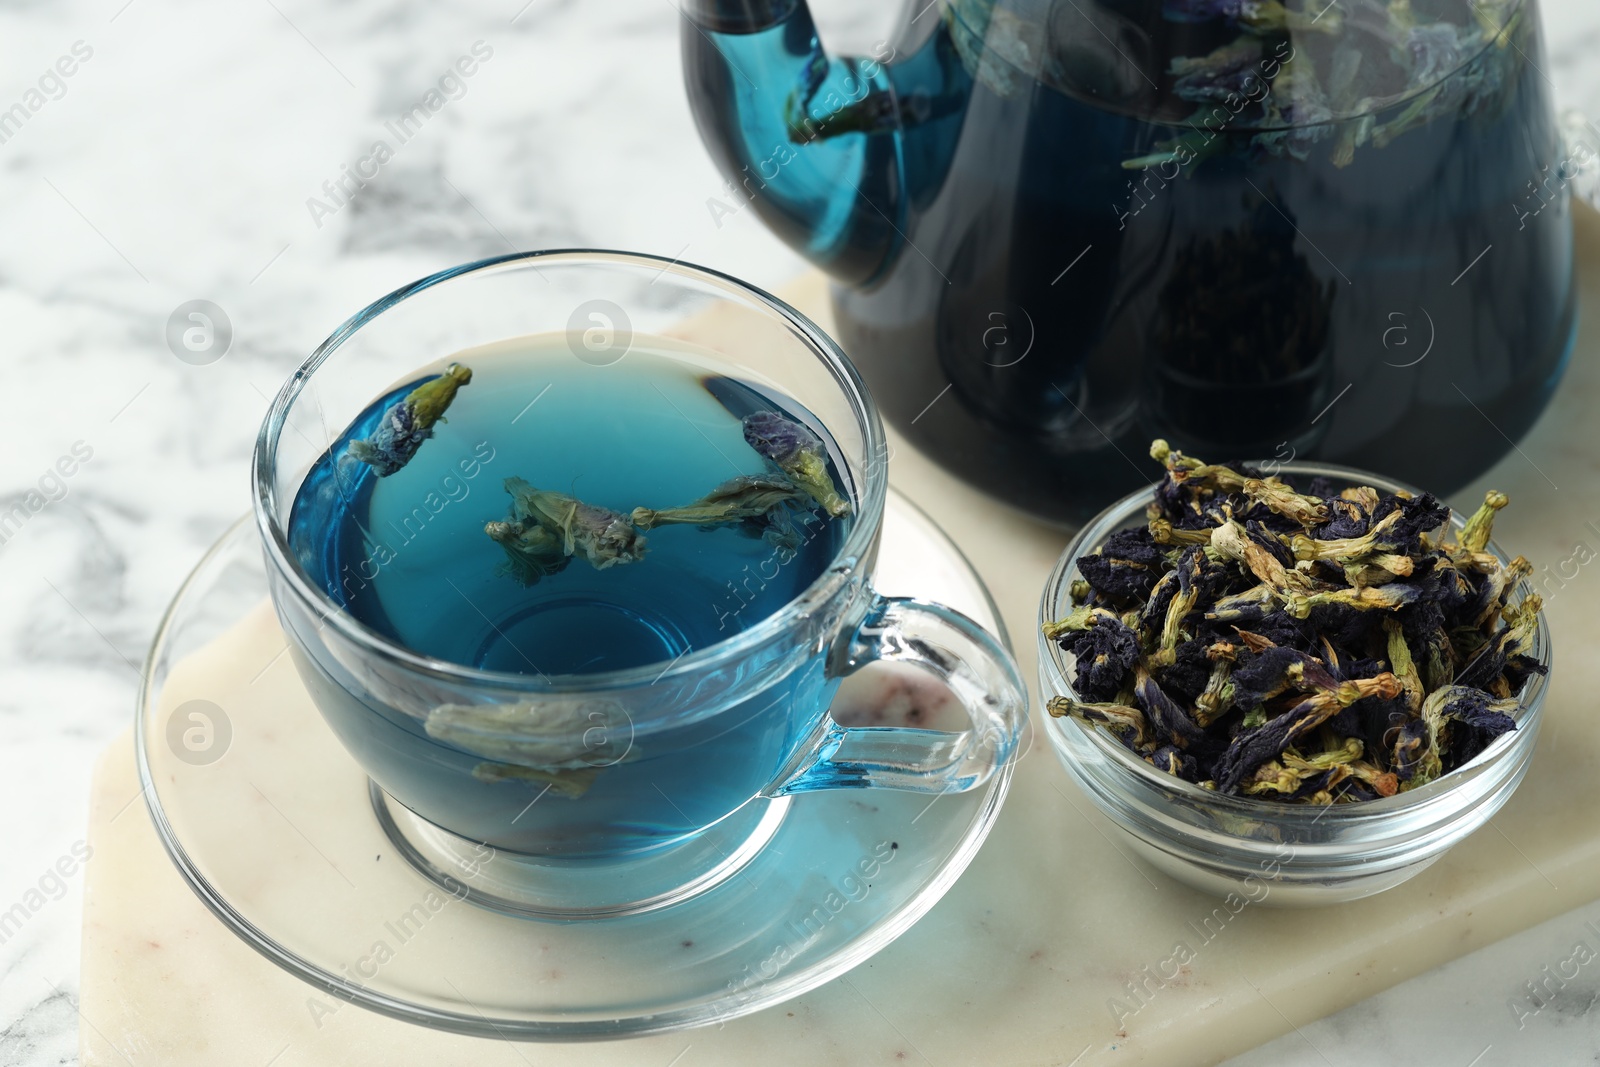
[1266,229]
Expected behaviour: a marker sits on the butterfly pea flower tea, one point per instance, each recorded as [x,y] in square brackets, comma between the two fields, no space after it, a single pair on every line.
[572,551]
[624,510]
[1297,644]
[630,516]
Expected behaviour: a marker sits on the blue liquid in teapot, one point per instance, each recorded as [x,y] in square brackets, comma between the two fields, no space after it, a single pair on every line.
[1062,229]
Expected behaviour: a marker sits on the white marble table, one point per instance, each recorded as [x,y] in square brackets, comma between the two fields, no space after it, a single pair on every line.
[176,163]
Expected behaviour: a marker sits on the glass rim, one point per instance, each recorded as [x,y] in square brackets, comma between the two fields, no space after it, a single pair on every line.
[869,504]
[1052,664]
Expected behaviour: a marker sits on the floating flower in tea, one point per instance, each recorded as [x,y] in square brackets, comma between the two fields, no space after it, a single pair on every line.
[545,528]
[747,496]
[760,504]
[532,551]
[410,422]
[548,741]
[797,452]
[1311,647]
[603,537]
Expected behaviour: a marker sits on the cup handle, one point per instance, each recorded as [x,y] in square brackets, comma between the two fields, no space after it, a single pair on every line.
[961,654]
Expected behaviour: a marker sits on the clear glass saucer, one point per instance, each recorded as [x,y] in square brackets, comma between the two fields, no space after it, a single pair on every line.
[280,833]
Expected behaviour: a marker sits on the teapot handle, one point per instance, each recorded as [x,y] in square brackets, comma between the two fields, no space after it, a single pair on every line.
[830,151]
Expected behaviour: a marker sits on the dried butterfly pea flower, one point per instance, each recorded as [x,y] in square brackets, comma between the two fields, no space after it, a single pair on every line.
[409,422]
[1437,49]
[1286,645]
[546,741]
[1261,16]
[1375,722]
[1409,746]
[1229,71]
[1280,497]
[1350,633]
[1438,667]
[1474,721]
[1246,608]
[1269,541]
[1189,672]
[1514,639]
[1184,597]
[1232,542]
[1470,716]
[1480,527]
[798,453]
[1264,676]
[746,497]
[1254,747]
[1298,114]
[1346,519]
[1382,60]
[1327,769]
[1345,549]
[571,784]
[1520,668]
[545,528]
[603,537]
[1124,721]
[1403,666]
[1126,567]
[1167,719]
[1421,517]
[1176,762]
[1162,532]
[1189,472]
[1489,600]
[1369,598]
[1105,649]
[532,551]
[1274,493]
[1218,694]
[1379,568]
[776,527]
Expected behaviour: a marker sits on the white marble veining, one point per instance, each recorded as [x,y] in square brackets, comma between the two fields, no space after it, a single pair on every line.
[175,163]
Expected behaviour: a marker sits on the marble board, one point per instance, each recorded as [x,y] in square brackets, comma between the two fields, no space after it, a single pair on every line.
[1028,958]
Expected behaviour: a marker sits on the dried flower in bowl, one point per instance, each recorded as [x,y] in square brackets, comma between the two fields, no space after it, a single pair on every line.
[1309,646]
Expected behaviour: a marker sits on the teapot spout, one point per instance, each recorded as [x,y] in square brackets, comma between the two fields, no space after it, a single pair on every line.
[812,142]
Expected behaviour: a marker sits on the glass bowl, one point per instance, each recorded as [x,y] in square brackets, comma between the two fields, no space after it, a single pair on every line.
[1269,852]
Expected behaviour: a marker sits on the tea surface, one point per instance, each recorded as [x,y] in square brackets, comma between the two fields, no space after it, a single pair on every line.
[407,553]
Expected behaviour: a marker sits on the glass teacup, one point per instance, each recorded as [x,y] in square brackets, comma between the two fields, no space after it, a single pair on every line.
[683,766]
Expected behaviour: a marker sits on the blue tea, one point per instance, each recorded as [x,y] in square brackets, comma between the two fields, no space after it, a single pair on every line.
[518,510]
